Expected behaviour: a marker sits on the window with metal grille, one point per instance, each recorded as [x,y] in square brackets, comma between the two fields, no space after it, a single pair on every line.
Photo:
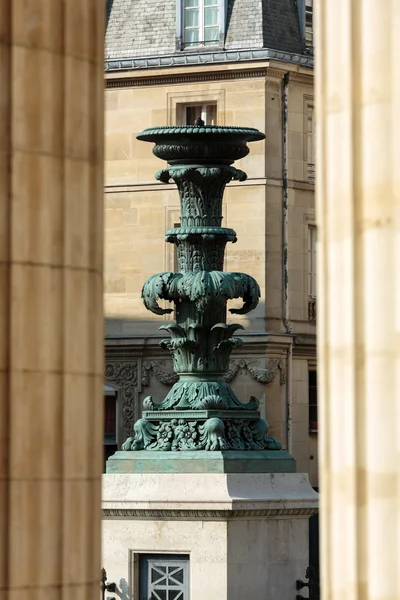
[310,144]
[312,401]
[200,23]
[164,577]
[312,262]
[312,274]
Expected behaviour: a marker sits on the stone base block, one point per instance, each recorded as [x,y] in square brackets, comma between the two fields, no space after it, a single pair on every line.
[245,535]
[230,461]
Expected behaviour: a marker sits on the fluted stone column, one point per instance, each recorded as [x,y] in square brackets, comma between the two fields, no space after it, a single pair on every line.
[358,183]
[51,321]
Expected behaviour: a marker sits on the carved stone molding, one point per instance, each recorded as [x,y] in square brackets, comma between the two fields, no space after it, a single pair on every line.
[207,514]
[188,78]
[125,375]
[162,375]
[274,73]
[261,375]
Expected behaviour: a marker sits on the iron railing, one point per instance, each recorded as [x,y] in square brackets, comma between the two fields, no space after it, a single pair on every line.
[104,586]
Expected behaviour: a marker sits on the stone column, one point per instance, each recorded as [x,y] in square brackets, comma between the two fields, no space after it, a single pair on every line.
[51,318]
[358,189]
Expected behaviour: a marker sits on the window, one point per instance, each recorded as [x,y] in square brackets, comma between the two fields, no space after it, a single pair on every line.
[312,267]
[309,23]
[201,23]
[164,577]
[188,113]
[312,273]
[310,144]
[312,401]
[110,424]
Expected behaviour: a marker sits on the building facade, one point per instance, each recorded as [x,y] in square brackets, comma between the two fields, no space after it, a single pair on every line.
[231,62]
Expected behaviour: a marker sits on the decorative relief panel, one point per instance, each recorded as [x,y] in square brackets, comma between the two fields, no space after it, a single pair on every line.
[260,375]
[125,375]
[162,375]
[131,376]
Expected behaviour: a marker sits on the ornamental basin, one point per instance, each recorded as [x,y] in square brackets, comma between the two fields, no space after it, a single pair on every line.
[205,144]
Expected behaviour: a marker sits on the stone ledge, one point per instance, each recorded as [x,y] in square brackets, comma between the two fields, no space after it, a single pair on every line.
[208,496]
[128,513]
[229,461]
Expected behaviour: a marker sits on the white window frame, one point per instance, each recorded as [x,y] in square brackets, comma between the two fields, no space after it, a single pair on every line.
[180,25]
[203,113]
[312,142]
[154,563]
[302,8]
[309,9]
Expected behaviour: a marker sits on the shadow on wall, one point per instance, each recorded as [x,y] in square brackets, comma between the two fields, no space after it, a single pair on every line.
[122,591]
[109,6]
[231,4]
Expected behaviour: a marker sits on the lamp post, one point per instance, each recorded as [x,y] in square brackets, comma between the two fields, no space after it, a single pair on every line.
[201,411]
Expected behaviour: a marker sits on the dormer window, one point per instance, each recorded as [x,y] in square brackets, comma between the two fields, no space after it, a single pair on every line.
[200,23]
[305,8]
[309,24]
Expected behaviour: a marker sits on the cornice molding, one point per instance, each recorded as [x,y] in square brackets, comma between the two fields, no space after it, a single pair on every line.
[180,78]
[305,346]
[274,73]
[301,78]
[193,59]
[128,513]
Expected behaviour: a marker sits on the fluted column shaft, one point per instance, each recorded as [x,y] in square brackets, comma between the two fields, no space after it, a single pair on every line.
[358,190]
[51,318]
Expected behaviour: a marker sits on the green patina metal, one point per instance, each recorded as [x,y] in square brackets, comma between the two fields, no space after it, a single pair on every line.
[202,461]
[201,411]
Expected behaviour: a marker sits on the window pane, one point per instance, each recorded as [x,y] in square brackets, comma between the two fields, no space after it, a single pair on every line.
[176,575]
[211,114]
[158,575]
[211,34]
[191,36]
[211,16]
[313,399]
[210,3]
[192,113]
[191,3]
[192,18]
[110,418]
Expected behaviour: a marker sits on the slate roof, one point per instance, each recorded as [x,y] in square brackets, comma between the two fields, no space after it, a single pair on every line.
[147,28]
[140,28]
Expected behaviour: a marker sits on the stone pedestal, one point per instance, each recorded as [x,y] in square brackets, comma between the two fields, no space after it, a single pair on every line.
[246,535]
